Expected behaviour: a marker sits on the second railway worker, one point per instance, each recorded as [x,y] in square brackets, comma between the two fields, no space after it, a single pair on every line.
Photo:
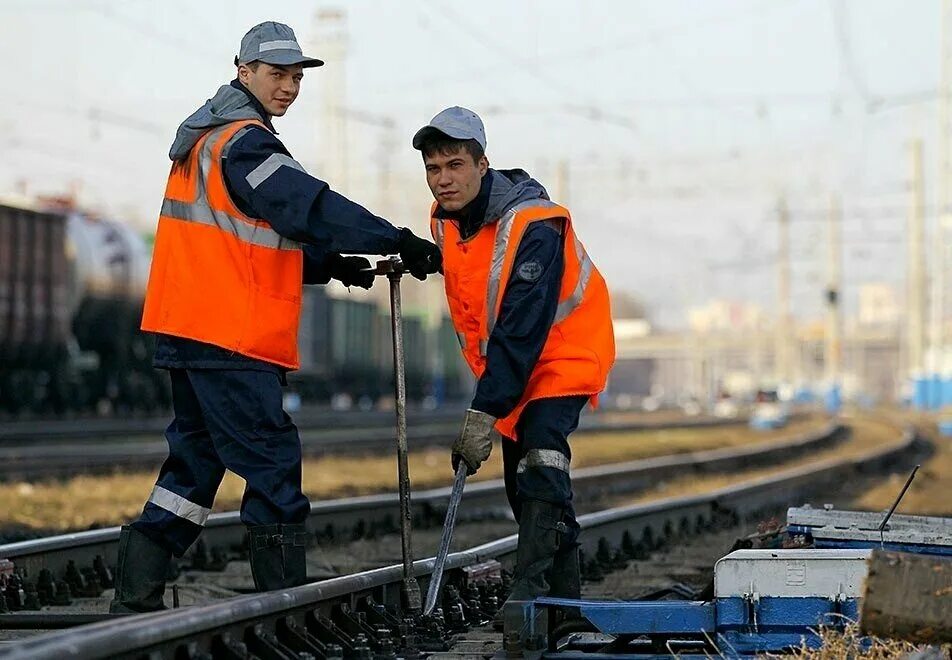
[533,319]
[242,227]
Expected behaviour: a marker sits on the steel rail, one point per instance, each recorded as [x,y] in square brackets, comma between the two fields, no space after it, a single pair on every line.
[63,430]
[192,632]
[31,431]
[371,514]
[48,459]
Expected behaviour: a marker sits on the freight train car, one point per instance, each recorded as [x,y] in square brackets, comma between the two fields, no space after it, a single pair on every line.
[338,342]
[71,291]
[346,351]
[34,319]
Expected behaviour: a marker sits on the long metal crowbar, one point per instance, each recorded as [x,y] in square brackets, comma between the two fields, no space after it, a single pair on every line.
[393,269]
[433,592]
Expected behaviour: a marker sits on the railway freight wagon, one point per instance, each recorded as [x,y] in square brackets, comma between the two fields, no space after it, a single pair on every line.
[338,348]
[454,380]
[346,348]
[418,349]
[71,290]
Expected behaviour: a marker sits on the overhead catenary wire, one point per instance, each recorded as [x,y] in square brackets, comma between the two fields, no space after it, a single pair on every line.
[848,63]
[107,11]
[514,57]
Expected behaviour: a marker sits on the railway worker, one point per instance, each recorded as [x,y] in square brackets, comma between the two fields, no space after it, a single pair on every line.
[532,315]
[242,227]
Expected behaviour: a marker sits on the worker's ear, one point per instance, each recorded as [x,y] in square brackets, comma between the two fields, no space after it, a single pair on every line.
[482,165]
[244,73]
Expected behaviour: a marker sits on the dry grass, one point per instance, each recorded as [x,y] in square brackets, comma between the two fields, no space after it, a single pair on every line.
[94,501]
[929,493]
[866,434]
[665,416]
[602,448]
[849,644]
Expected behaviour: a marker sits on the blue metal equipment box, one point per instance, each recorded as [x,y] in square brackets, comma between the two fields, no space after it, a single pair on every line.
[765,600]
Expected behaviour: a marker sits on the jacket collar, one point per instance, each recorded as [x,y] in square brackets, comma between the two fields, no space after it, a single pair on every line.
[256,104]
[470,217]
[499,191]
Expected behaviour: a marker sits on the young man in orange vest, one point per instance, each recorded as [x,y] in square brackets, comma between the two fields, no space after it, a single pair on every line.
[242,227]
[532,315]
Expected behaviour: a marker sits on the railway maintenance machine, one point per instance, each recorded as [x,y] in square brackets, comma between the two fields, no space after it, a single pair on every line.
[767,600]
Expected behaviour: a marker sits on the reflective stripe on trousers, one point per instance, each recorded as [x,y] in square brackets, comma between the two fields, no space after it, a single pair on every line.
[180,506]
[543,458]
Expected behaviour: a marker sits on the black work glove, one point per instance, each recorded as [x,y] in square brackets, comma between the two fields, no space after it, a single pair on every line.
[420,256]
[351,271]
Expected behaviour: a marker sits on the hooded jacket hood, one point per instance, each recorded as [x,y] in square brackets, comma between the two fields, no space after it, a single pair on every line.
[510,187]
[229,104]
[499,191]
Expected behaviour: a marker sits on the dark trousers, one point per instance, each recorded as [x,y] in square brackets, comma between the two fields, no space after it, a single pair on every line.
[225,419]
[545,424]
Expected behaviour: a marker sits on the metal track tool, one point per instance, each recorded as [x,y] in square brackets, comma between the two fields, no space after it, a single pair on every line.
[433,592]
[410,589]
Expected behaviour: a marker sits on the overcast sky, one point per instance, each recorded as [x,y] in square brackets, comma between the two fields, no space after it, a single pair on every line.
[678,122]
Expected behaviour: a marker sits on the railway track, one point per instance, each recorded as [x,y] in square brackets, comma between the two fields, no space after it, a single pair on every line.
[16,432]
[49,430]
[353,517]
[55,456]
[357,615]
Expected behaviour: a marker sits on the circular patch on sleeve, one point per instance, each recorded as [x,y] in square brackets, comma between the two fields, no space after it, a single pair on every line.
[530,271]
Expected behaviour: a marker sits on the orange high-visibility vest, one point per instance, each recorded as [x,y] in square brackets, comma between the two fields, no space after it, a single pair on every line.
[219,276]
[580,348]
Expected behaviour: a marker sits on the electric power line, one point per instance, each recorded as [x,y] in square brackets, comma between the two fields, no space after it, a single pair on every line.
[515,57]
[848,62]
[149,31]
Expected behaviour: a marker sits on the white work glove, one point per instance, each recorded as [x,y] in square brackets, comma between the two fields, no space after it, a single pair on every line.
[475,441]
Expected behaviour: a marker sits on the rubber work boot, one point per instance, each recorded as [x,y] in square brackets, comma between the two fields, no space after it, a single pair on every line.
[540,532]
[141,570]
[277,554]
[566,581]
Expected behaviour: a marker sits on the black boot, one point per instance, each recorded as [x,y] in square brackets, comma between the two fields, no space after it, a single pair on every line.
[540,532]
[566,581]
[141,571]
[277,555]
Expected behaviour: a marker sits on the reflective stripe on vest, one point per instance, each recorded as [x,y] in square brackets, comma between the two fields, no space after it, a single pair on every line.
[200,212]
[568,305]
[504,228]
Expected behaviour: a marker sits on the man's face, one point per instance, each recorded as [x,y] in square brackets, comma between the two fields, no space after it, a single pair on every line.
[274,86]
[454,180]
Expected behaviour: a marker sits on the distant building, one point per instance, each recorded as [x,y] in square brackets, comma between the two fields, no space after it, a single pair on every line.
[718,315]
[631,328]
[878,305]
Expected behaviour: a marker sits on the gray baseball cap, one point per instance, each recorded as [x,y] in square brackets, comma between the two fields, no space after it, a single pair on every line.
[273,43]
[456,122]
